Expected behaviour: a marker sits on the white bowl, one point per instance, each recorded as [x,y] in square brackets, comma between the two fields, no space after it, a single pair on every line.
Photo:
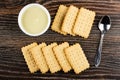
[20,19]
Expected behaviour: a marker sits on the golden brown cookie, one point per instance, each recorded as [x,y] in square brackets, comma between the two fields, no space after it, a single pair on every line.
[50,58]
[57,23]
[29,58]
[84,22]
[77,58]
[69,20]
[39,57]
[61,57]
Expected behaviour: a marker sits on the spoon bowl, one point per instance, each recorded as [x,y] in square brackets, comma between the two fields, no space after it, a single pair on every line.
[104,24]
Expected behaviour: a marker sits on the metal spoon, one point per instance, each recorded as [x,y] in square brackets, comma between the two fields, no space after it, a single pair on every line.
[104,25]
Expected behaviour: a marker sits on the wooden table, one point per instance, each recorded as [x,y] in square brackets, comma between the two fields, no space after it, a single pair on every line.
[12,64]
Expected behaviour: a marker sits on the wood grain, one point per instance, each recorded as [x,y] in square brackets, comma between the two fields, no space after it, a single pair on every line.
[12,64]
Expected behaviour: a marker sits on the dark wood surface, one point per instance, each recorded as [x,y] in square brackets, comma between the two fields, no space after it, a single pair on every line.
[12,64]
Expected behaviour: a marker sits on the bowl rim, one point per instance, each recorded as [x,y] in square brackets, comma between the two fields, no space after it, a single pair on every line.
[24,9]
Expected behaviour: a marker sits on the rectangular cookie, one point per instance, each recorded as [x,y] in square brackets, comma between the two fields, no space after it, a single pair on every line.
[29,58]
[50,58]
[77,58]
[57,23]
[69,20]
[39,58]
[84,22]
[61,57]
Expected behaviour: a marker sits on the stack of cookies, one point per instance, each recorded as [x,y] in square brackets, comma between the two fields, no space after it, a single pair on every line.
[74,21]
[55,57]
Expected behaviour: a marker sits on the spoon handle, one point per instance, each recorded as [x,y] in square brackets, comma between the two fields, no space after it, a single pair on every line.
[99,50]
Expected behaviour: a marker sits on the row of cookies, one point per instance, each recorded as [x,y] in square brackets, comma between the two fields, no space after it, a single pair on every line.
[55,57]
[74,21]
